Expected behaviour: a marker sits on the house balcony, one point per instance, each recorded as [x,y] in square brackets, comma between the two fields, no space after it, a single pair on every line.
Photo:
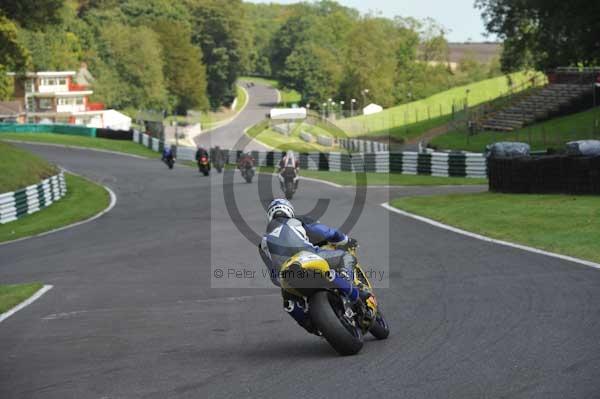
[94,107]
[77,87]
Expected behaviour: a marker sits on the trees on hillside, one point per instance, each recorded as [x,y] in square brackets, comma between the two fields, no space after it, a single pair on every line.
[181,54]
[183,69]
[136,56]
[219,32]
[325,50]
[544,33]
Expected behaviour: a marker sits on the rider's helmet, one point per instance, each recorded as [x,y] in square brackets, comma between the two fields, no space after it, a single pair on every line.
[280,208]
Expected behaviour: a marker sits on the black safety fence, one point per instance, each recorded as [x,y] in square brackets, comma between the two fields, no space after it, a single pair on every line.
[115,134]
[546,174]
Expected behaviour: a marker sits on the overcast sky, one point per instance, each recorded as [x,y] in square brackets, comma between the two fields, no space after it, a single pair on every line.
[459,16]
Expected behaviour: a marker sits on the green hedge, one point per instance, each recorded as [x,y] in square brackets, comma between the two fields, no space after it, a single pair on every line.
[71,130]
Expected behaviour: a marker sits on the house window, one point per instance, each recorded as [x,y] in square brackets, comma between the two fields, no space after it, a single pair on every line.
[45,103]
[79,101]
[62,81]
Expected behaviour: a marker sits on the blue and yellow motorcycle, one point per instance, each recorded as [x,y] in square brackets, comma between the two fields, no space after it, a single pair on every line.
[333,303]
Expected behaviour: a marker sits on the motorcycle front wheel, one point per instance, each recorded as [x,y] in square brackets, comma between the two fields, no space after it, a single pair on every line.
[327,314]
[380,328]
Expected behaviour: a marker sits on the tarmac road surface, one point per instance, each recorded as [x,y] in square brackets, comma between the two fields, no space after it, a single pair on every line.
[133,315]
[260,101]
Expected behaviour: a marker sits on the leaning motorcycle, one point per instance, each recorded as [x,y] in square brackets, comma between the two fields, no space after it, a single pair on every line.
[204,165]
[247,171]
[342,322]
[288,179]
[169,161]
[219,165]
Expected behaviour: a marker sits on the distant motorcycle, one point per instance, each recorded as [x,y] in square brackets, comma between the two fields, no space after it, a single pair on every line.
[288,180]
[167,158]
[219,164]
[204,165]
[247,172]
[218,159]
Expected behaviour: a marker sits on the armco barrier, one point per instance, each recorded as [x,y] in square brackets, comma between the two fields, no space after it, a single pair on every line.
[73,130]
[435,164]
[16,204]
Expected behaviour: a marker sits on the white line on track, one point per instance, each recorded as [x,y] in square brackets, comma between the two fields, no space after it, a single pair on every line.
[323,181]
[25,303]
[488,239]
[111,205]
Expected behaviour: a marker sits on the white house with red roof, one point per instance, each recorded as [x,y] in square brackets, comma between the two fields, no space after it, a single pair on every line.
[63,97]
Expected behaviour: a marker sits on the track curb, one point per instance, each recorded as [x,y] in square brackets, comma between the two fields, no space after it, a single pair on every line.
[480,237]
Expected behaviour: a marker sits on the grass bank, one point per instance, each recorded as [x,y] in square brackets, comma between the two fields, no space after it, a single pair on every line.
[568,225]
[21,168]
[429,112]
[12,295]
[269,137]
[127,147]
[83,200]
[553,133]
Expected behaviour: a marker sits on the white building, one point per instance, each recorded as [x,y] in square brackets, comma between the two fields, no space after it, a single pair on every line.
[54,97]
[372,109]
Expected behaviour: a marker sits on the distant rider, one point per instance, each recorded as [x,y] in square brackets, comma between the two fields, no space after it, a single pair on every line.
[289,161]
[245,161]
[200,153]
[217,157]
[167,154]
[288,234]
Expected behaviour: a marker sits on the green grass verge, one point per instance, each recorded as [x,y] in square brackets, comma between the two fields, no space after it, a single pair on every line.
[553,133]
[14,294]
[211,119]
[83,200]
[242,98]
[564,224]
[128,147]
[421,114]
[383,179]
[391,179]
[280,142]
[21,168]
[288,96]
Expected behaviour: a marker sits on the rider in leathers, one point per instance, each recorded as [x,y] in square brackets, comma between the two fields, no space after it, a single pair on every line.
[287,235]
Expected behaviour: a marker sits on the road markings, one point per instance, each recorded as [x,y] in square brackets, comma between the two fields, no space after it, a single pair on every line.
[323,181]
[488,239]
[25,303]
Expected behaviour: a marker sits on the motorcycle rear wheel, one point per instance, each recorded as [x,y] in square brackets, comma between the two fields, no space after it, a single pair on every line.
[343,337]
[289,190]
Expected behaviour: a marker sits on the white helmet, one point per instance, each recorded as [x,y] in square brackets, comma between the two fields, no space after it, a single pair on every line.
[280,208]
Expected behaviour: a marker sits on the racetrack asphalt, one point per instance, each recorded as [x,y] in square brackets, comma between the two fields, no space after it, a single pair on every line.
[260,101]
[133,315]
